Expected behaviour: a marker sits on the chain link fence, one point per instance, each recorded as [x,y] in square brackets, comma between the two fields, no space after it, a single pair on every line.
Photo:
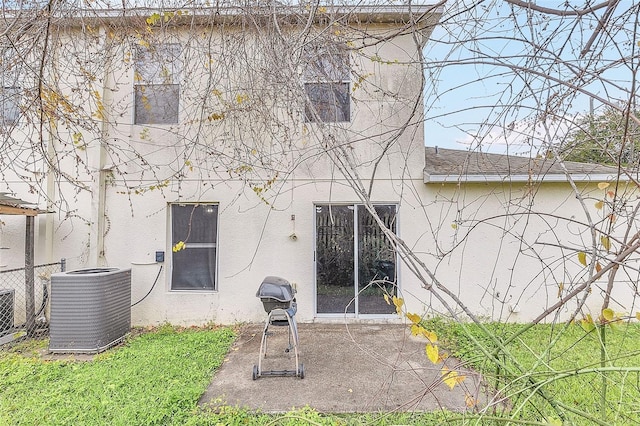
[24,301]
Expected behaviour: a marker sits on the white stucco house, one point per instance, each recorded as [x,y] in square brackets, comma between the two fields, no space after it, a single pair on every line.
[218,145]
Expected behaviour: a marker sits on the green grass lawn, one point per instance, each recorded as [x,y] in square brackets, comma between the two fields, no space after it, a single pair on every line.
[157,377]
[563,362]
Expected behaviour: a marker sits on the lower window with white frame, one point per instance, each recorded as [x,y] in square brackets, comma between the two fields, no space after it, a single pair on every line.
[194,237]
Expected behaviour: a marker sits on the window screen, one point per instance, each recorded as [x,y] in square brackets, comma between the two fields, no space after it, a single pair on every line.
[156,84]
[326,77]
[9,106]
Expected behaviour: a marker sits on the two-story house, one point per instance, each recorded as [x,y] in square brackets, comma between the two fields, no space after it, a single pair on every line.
[208,147]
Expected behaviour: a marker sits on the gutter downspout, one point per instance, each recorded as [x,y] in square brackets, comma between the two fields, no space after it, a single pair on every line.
[102,176]
[51,195]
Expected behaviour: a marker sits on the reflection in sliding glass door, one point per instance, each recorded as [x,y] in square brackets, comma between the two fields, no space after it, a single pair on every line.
[355,263]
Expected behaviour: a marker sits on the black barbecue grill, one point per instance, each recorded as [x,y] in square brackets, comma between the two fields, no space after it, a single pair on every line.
[279,302]
[276,293]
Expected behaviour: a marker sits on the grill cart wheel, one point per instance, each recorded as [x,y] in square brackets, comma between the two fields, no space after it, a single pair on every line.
[301,371]
[256,373]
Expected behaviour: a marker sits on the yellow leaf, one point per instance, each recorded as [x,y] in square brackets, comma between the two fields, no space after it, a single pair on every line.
[451,378]
[386,299]
[416,330]
[151,20]
[433,337]
[606,243]
[587,323]
[180,245]
[598,267]
[414,318]
[560,288]
[603,185]
[599,205]
[608,314]
[432,353]
[454,225]
[638,316]
[77,138]
[398,302]
[470,401]
[582,258]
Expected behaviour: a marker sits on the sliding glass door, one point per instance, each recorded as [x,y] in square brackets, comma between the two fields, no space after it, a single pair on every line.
[355,263]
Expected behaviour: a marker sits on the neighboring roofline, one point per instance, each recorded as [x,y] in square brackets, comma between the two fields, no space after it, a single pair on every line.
[459,166]
[549,178]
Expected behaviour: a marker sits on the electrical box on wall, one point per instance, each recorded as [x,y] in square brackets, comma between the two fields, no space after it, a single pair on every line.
[159,256]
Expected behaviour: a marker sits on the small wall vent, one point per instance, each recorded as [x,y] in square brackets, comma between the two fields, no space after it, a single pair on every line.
[90,309]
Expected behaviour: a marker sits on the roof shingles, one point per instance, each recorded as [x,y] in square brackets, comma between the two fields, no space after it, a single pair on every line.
[453,166]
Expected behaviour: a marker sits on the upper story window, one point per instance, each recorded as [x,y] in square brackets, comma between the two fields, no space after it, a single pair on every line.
[9,87]
[9,106]
[326,82]
[157,84]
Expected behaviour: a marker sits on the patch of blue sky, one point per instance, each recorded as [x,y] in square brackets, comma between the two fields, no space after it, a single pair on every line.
[505,79]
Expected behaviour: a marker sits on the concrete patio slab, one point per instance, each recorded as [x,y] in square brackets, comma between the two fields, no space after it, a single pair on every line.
[347,369]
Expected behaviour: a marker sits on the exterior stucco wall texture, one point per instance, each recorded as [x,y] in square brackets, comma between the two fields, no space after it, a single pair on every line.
[510,251]
[491,271]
